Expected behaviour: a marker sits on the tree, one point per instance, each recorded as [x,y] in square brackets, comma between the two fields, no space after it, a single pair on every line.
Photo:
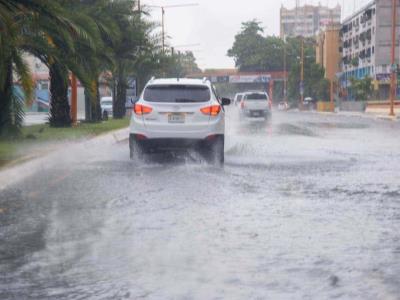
[315,85]
[16,35]
[248,47]
[361,88]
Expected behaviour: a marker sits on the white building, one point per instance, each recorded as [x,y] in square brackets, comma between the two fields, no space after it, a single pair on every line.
[366,42]
[307,20]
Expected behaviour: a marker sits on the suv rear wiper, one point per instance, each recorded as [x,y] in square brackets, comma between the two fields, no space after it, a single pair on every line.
[185,100]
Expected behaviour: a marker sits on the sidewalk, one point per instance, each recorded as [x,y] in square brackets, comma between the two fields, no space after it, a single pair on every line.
[372,116]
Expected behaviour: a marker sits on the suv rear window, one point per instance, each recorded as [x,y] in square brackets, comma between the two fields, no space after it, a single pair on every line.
[177,93]
[256,96]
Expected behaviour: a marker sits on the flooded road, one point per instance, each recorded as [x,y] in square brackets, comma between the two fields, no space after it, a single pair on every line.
[306,207]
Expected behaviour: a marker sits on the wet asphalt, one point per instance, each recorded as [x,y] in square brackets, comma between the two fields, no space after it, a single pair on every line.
[306,207]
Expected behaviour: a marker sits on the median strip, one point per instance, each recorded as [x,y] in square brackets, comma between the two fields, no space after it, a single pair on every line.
[37,140]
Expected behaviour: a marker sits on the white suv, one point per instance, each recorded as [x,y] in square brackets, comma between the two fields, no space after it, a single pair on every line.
[172,114]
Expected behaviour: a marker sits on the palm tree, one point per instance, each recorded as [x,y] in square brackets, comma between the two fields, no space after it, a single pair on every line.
[12,18]
[133,47]
[42,28]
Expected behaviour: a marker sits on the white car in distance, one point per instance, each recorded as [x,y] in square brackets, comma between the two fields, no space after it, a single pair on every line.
[106,104]
[238,98]
[179,113]
[256,104]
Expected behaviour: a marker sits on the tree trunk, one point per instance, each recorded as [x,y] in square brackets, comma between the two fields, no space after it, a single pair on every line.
[5,102]
[88,106]
[92,102]
[119,109]
[60,113]
[95,102]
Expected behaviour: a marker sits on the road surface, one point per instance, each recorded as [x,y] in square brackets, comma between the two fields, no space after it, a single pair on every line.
[307,207]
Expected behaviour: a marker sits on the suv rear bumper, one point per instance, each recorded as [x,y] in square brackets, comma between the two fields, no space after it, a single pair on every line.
[171,144]
[256,112]
[188,131]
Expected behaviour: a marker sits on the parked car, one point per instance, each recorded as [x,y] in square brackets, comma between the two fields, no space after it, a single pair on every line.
[175,114]
[256,104]
[309,103]
[283,105]
[106,104]
[238,98]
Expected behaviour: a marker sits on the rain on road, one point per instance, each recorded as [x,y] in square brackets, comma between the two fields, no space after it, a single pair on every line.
[306,207]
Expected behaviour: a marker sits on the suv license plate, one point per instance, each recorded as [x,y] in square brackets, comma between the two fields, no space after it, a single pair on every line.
[176,118]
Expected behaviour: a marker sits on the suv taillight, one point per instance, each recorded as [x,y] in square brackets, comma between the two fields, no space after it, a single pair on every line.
[212,110]
[242,104]
[140,109]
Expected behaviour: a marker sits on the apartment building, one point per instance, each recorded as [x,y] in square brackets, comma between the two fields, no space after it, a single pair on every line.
[366,43]
[307,20]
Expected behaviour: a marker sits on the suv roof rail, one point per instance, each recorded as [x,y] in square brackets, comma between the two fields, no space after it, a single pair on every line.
[205,79]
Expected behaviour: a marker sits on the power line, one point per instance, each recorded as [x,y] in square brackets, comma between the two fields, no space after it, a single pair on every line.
[163,16]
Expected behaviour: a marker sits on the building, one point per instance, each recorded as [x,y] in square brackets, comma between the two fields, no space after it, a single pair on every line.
[40,74]
[366,44]
[307,20]
[271,82]
[327,50]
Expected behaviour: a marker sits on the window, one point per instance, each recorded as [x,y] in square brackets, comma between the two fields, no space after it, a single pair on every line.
[177,93]
[256,96]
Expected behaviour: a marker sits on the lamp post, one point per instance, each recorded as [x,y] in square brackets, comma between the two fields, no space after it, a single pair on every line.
[393,75]
[302,75]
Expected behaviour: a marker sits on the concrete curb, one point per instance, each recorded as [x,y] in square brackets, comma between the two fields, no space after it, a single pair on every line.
[356,115]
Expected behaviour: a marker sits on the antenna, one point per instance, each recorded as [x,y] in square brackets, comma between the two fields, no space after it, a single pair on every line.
[296,17]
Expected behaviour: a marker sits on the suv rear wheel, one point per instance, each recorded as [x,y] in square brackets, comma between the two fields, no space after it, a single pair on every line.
[136,150]
[214,151]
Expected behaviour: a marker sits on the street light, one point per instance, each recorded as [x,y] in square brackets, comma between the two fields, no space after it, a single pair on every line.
[163,17]
[302,75]
[393,75]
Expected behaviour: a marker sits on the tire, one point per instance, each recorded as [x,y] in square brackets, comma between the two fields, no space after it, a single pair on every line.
[215,153]
[135,150]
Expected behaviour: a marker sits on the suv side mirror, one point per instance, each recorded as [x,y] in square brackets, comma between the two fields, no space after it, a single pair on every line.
[225,101]
[134,99]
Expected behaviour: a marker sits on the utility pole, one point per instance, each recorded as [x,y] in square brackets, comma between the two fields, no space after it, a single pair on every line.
[163,29]
[393,77]
[332,96]
[302,75]
[139,7]
[284,71]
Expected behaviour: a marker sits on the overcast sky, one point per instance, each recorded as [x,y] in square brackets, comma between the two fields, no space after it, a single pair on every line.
[213,23]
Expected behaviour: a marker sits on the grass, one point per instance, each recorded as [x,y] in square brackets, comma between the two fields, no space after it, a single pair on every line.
[33,137]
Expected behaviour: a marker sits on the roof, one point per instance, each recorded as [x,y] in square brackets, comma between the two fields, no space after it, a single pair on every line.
[236,72]
[359,11]
[167,81]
